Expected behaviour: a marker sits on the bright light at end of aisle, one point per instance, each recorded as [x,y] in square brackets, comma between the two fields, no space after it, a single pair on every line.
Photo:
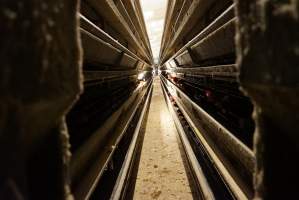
[154,15]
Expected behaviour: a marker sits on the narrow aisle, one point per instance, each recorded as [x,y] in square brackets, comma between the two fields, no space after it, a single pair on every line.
[161,173]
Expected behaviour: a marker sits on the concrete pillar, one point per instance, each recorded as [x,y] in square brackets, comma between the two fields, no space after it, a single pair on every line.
[268,58]
[40,58]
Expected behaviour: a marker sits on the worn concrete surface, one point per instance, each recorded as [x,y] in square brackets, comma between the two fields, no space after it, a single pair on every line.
[161,173]
[268,58]
[40,79]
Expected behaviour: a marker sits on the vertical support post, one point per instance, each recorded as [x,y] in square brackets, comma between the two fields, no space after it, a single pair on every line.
[268,60]
[40,75]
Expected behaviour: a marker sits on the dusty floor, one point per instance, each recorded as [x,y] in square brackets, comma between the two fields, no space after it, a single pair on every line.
[161,173]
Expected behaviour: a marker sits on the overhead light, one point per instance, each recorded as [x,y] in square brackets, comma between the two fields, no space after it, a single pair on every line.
[141,76]
[148,15]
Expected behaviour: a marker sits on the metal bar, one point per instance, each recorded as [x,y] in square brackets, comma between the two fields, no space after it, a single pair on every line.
[95,30]
[218,43]
[219,70]
[101,75]
[235,188]
[244,154]
[92,45]
[219,21]
[123,176]
[108,9]
[91,178]
[196,10]
[205,188]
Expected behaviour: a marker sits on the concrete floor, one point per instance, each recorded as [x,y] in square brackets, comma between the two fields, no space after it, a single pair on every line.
[161,173]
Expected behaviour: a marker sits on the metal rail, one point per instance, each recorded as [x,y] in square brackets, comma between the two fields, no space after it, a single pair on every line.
[95,30]
[226,137]
[196,10]
[103,75]
[109,10]
[86,155]
[227,15]
[223,37]
[212,71]
[227,144]
[201,180]
[123,177]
